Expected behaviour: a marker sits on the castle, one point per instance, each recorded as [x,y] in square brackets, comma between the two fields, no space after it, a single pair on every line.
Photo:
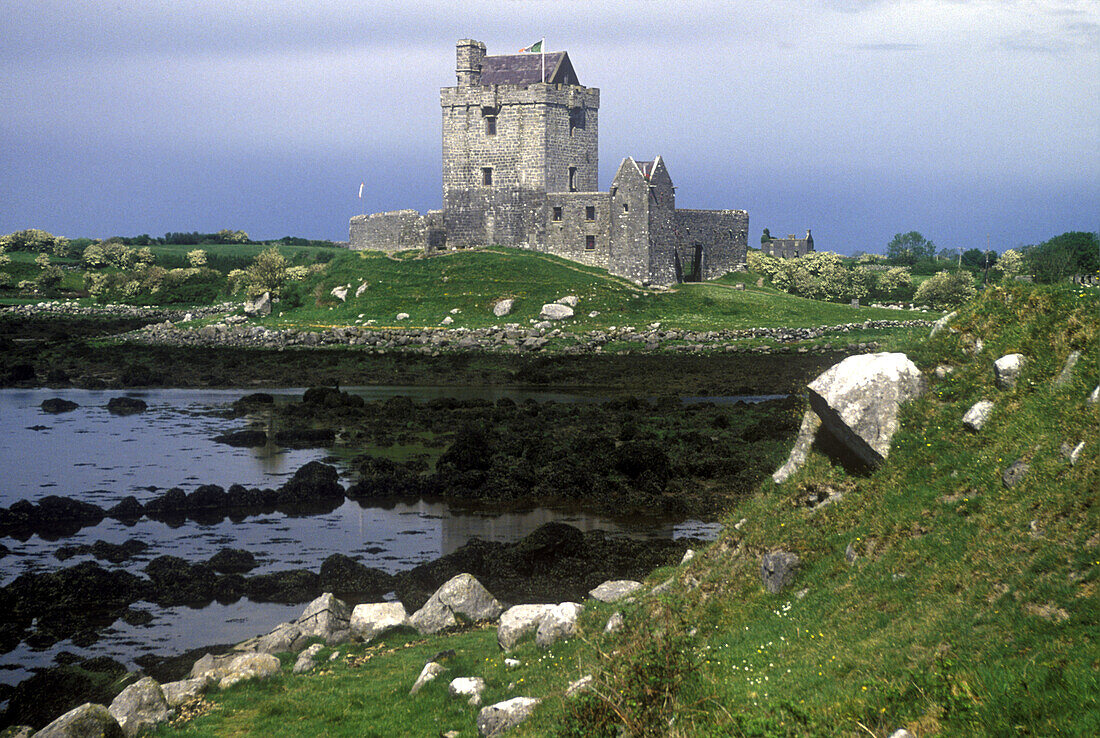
[790,247]
[520,165]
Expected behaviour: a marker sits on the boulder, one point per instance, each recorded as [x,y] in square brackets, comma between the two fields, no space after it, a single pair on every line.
[1094,396]
[777,569]
[940,324]
[569,300]
[140,706]
[468,687]
[340,293]
[1066,375]
[185,690]
[249,666]
[614,623]
[346,577]
[497,719]
[243,438]
[1014,473]
[554,311]
[17,731]
[86,721]
[858,401]
[447,321]
[305,659]
[518,621]
[402,316]
[431,670]
[689,555]
[942,370]
[503,307]
[614,590]
[326,617]
[57,405]
[800,451]
[314,481]
[461,595]
[1072,453]
[369,621]
[1006,370]
[126,406]
[232,561]
[284,637]
[258,306]
[978,415]
[558,623]
[363,287]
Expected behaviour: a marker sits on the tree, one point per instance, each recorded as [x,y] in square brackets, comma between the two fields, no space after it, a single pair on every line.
[765,236]
[973,258]
[266,273]
[907,249]
[945,290]
[1010,264]
[50,276]
[34,239]
[196,258]
[5,278]
[894,284]
[1075,252]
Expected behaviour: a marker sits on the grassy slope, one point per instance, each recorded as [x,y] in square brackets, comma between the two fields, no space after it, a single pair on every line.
[960,616]
[472,281]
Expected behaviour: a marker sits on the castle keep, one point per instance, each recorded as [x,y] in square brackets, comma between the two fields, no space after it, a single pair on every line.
[520,166]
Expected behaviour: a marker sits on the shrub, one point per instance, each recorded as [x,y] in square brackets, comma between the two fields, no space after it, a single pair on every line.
[35,239]
[946,290]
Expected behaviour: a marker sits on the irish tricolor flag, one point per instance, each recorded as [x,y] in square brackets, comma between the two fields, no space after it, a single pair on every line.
[533,48]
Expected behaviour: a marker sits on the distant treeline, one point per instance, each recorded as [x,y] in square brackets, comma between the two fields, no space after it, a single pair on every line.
[224,236]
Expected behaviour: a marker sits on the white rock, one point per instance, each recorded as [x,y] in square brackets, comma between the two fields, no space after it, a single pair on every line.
[594,314]
[430,671]
[570,300]
[283,638]
[858,400]
[497,719]
[462,595]
[259,306]
[305,659]
[512,663]
[246,666]
[447,321]
[402,316]
[518,621]
[940,324]
[503,307]
[369,621]
[556,311]
[87,721]
[582,684]
[340,293]
[360,290]
[614,590]
[688,556]
[560,622]
[902,733]
[1006,370]
[468,687]
[1094,396]
[978,415]
[185,690]
[326,616]
[140,706]
[942,370]
[800,451]
[614,623]
[1066,375]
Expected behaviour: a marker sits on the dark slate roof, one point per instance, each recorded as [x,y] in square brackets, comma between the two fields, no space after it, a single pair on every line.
[525,69]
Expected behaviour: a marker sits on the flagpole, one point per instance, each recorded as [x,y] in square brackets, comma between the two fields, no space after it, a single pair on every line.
[542,53]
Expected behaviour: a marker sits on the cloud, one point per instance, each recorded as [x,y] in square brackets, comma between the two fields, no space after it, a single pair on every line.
[886,47]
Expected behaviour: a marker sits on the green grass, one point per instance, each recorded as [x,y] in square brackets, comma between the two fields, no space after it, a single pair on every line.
[971,610]
[472,281]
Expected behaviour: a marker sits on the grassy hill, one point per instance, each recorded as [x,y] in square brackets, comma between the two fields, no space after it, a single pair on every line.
[931,595]
[472,281]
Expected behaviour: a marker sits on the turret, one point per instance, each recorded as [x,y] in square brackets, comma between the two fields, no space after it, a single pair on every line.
[468,56]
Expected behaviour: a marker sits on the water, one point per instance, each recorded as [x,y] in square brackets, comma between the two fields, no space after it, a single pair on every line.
[91,455]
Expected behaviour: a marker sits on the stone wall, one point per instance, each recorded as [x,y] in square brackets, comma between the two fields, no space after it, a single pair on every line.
[723,234]
[629,228]
[568,237]
[396,230]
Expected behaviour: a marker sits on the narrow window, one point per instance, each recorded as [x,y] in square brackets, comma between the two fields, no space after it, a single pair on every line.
[589,243]
[590,212]
[486,175]
[572,179]
[626,207]
[491,125]
[557,214]
[576,119]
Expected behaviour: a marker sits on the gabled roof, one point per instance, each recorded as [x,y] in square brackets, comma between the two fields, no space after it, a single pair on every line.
[526,69]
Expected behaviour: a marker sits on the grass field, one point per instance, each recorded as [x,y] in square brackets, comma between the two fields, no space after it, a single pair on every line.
[931,596]
[472,281]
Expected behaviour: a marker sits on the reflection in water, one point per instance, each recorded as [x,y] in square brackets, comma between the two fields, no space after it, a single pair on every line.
[91,455]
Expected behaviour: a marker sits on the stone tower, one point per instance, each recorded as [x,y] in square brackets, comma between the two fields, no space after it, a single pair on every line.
[515,127]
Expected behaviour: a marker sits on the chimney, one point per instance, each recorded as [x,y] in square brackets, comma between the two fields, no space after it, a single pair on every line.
[468,56]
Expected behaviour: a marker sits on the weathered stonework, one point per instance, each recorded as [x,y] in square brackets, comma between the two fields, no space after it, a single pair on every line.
[520,168]
[790,247]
